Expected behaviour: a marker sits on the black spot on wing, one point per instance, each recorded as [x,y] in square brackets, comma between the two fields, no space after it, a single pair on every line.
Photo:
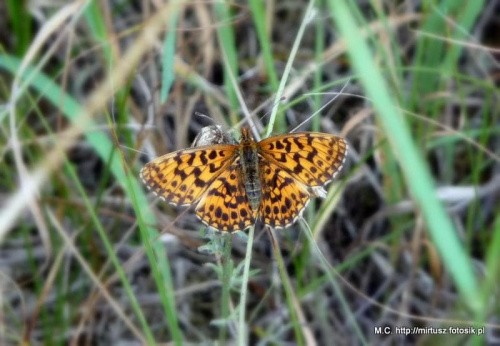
[218,212]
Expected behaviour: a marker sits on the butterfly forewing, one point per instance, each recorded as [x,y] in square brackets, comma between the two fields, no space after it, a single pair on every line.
[311,158]
[183,176]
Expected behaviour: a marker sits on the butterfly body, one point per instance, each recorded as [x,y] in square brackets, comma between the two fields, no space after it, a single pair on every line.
[249,168]
[233,184]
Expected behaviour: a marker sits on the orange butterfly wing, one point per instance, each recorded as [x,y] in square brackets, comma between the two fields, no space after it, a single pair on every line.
[225,206]
[294,168]
[182,177]
[313,159]
[283,198]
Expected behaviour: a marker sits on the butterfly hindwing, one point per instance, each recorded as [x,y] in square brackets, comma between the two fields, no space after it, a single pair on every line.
[225,205]
[283,198]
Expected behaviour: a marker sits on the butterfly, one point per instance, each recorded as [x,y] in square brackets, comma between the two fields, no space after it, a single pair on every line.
[233,184]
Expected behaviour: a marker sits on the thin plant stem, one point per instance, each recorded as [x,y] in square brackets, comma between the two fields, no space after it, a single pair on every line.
[288,67]
[244,283]
[227,269]
[338,292]
[290,297]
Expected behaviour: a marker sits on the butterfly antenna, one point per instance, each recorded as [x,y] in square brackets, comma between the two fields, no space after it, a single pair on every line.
[132,149]
[253,126]
[269,111]
[201,115]
[283,98]
[323,107]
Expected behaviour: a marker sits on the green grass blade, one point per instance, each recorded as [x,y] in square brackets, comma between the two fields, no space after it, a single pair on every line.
[259,18]
[284,78]
[228,45]
[433,53]
[287,285]
[242,330]
[168,59]
[416,173]
[21,23]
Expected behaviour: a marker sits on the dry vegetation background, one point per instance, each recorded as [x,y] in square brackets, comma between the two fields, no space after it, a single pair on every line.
[92,90]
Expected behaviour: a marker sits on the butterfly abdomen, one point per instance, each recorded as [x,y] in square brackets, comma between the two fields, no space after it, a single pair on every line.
[249,163]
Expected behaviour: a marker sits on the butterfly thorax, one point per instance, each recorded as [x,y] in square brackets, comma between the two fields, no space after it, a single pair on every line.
[249,165]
